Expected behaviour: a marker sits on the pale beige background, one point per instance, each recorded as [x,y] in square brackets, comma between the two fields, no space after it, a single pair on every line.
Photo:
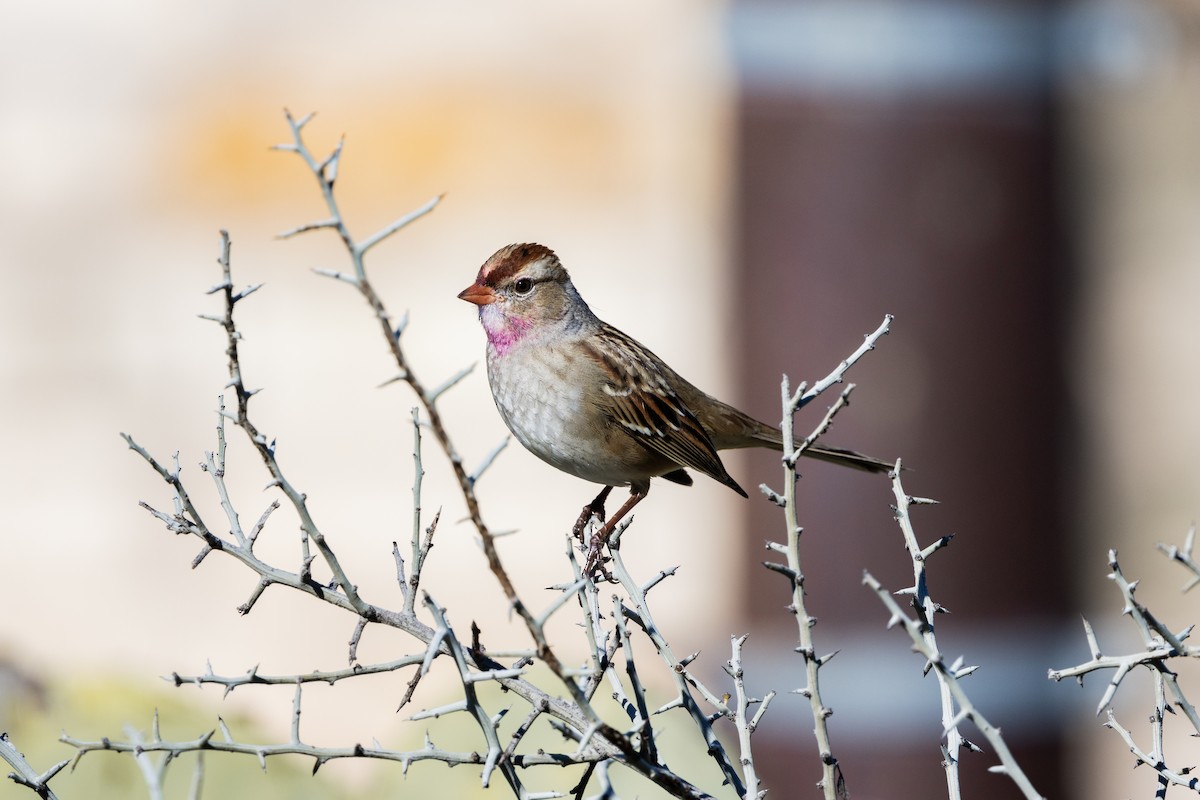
[1132,127]
[132,131]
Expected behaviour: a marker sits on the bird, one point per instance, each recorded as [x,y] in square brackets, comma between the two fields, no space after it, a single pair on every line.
[594,402]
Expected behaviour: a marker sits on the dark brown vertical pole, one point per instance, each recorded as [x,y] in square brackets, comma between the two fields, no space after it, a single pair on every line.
[930,195]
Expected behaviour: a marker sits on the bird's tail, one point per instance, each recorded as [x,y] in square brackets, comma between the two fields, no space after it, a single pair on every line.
[762,434]
[849,458]
[738,429]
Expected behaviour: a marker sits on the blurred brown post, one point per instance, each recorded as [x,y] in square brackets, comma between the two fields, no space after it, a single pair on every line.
[900,158]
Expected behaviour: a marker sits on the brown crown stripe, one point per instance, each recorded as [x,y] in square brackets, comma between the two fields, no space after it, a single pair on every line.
[507,261]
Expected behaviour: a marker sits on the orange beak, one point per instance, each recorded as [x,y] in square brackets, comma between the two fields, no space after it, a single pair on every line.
[478,294]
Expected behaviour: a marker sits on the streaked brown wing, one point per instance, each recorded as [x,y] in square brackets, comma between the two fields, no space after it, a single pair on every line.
[638,396]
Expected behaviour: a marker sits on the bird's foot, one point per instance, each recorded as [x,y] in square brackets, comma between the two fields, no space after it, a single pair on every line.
[592,509]
[579,530]
[595,561]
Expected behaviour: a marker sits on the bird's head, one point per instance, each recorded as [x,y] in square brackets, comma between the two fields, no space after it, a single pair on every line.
[523,289]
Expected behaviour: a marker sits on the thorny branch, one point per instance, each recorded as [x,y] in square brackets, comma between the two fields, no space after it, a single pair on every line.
[832,783]
[1184,556]
[326,175]
[950,674]
[25,775]
[598,744]
[595,739]
[927,611]
[1160,646]
[957,707]
[746,724]
[187,519]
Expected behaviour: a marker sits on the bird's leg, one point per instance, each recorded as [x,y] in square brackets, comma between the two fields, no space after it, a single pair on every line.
[600,538]
[592,509]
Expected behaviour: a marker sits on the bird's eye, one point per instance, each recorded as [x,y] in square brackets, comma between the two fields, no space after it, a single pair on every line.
[523,286]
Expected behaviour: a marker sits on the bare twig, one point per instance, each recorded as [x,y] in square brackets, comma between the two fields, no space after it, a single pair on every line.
[325,173]
[265,448]
[1160,646]
[25,775]
[950,674]
[196,788]
[253,677]
[154,771]
[927,611]
[803,397]
[186,519]
[956,706]
[1166,776]
[831,776]
[684,681]
[744,723]
[472,704]
[321,755]
[1184,556]
[596,741]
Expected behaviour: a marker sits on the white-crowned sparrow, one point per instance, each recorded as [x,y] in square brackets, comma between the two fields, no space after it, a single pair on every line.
[586,398]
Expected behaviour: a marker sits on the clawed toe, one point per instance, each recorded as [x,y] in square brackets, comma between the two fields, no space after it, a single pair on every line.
[585,516]
[592,509]
[594,563]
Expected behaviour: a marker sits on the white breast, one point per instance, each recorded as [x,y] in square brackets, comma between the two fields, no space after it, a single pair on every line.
[547,412]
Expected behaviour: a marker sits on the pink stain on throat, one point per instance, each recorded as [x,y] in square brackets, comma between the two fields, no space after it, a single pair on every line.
[503,331]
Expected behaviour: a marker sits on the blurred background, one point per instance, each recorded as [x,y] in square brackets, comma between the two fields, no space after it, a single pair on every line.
[745,187]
